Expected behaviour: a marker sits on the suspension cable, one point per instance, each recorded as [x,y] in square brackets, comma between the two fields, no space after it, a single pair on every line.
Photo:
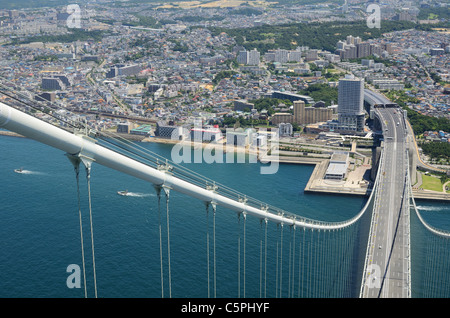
[293,261]
[281,259]
[76,164]
[265,258]
[167,192]
[207,246]
[245,217]
[239,255]
[214,247]
[260,257]
[277,261]
[158,194]
[88,176]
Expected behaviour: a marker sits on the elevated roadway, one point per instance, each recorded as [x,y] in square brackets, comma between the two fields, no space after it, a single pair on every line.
[388,258]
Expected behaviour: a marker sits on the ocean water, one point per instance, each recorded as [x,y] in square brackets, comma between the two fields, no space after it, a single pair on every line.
[40,229]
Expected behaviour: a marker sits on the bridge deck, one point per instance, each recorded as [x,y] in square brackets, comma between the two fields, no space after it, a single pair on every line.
[388,256]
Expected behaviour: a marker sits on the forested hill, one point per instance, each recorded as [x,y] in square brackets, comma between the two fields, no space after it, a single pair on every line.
[314,35]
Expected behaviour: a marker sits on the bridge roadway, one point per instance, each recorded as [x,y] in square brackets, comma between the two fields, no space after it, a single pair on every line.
[388,249]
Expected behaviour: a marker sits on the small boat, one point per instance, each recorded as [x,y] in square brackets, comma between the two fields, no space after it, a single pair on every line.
[122,192]
[20,170]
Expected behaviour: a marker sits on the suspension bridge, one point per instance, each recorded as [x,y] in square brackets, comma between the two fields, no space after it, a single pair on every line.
[369,255]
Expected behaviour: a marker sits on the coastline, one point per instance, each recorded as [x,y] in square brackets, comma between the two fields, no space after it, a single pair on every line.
[316,182]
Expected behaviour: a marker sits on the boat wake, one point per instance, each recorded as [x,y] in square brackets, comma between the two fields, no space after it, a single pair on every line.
[429,208]
[140,195]
[23,171]
[135,194]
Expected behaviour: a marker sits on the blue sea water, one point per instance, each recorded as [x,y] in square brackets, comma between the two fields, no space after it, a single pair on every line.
[40,229]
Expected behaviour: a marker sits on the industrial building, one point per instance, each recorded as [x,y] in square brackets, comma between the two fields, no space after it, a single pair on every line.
[337,168]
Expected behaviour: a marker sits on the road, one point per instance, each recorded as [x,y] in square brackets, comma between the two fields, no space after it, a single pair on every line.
[388,254]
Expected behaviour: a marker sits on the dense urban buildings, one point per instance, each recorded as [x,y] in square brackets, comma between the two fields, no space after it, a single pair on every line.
[169,65]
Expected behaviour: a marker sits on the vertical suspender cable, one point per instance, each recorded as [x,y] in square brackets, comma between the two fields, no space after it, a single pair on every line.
[276,269]
[301,269]
[310,266]
[293,263]
[290,263]
[265,259]
[260,257]
[158,194]
[330,261]
[316,264]
[281,259]
[239,255]
[88,176]
[244,214]
[214,247]
[77,173]
[207,246]
[167,192]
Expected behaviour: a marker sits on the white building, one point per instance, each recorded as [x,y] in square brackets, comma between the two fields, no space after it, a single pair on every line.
[337,168]
[253,57]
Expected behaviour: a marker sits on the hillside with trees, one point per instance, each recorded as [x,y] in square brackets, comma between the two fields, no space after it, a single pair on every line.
[323,35]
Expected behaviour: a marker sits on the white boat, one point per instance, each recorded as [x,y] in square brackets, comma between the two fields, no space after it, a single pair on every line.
[124,193]
[18,170]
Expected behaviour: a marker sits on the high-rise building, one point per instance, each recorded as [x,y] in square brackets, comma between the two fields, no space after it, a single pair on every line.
[354,47]
[310,115]
[351,103]
[253,57]
[312,55]
[242,57]
[363,49]
[281,56]
[295,56]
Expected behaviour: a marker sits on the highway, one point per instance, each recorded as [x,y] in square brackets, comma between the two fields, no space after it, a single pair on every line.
[388,250]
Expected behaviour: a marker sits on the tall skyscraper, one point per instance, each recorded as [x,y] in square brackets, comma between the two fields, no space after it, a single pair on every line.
[351,103]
